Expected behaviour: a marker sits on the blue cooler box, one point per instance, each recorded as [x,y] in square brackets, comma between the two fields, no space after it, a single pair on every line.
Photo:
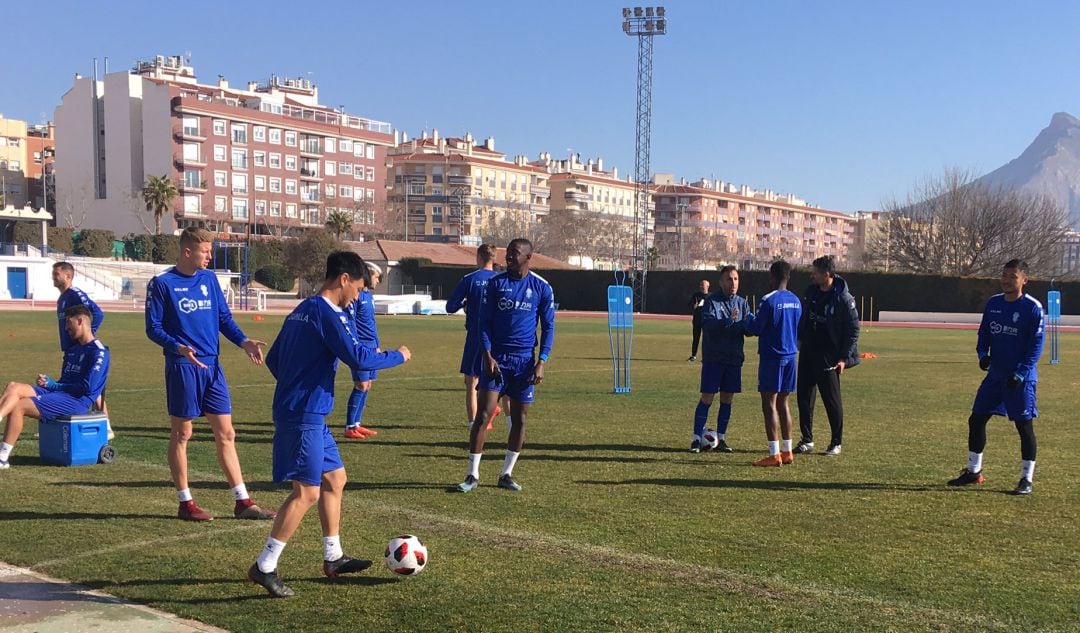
[73,440]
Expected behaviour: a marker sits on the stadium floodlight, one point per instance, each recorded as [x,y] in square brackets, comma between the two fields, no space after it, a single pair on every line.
[659,12]
[626,13]
[644,28]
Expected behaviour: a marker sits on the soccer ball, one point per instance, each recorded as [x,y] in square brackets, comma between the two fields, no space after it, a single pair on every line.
[709,440]
[406,555]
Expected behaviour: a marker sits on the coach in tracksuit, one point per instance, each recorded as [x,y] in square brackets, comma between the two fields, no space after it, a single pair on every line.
[828,344]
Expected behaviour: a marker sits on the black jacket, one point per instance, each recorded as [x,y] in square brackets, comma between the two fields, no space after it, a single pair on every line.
[841,319]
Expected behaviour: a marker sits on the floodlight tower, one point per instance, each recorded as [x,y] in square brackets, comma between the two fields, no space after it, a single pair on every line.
[643,23]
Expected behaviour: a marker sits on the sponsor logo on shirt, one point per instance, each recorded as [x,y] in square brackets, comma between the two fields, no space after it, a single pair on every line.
[1008,330]
[507,303]
[186,305]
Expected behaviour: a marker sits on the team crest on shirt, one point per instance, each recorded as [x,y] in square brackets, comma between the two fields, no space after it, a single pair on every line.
[205,292]
[1016,317]
[528,293]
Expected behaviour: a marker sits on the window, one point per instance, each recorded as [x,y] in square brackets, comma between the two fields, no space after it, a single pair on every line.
[219,152]
[346,191]
[239,184]
[239,159]
[331,168]
[219,203]
[192,179]
[371,174]
[275,136]
[329,145]
[436,174]
[331,191]
[436,230]
[239,208]
[290,138]
[275,185]
[346,145]
[290,186]
[358,172]
[220,178]
[313,216]
[290,163]
[371,195]
[371,152]
[358,194]
[239,133]
[275,161]
[358,149]
[260,183]
[258,132]
[290,210]
[345,169]
[260,158]
[260,207]
[219,127]
[191,126]
[191,152]
[192,204]
[275,209]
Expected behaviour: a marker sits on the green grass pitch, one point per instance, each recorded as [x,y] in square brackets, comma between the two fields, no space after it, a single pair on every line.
[618,528]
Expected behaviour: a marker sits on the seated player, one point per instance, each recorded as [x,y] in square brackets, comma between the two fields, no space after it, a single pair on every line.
[82,379]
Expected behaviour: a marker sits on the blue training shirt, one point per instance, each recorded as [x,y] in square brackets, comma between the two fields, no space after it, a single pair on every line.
[723,323]
[85,370]
[776,325]
[189,310]
[1011,333]
[304,360]
[75,297]
[363,313]
[511,309]
[469,294]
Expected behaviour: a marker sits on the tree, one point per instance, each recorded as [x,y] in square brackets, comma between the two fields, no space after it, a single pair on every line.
[953,224]
[512,220]
[275,276]
[61,238]
[158,194]
[305,257]
[339,223]
[94,243]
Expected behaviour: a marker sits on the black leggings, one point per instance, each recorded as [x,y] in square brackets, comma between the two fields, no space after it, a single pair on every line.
[697,337]
[977,436]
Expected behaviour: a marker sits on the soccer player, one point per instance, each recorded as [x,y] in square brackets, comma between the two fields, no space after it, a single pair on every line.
[828,344]
[515,301]
[697,304]
[362,311]
[469,294]
[185,314]
[63,273]
[776,325]
[1009,345]
[723,321]
[304,360]
[82,379]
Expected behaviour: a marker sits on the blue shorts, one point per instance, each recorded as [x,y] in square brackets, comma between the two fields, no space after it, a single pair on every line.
[995,398]
[364,375]
[514,374]
[53,404]
[717,377]
[776,375]
[191,391]
[472,359]
[304,454]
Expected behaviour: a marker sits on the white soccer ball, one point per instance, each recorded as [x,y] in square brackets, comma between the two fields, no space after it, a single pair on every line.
[709,440]
[406,555]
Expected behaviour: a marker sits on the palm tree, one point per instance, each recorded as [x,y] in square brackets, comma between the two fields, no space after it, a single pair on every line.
[339,223]
[158,194]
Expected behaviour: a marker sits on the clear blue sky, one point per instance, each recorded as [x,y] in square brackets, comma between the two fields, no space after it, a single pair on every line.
[844,103]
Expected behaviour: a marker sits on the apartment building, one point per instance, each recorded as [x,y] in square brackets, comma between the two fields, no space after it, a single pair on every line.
[262,159]
[599,202]
[13,163]
[40,154]
[707,222]
[457,190]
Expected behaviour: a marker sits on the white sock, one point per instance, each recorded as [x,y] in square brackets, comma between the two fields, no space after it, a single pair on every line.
[474,464]
[721,436]
[1027,469]
[184,495]
[331,547]
[974,462]
[5,451]
[267,560]
[774,447]
[240,492]
[786,446]
[508,463]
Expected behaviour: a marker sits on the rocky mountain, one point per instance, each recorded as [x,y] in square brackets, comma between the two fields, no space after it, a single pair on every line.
[1050,165]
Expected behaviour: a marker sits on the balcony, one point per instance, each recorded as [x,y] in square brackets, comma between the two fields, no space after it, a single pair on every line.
[182,162]
[189,134]
[192,187]
[311,149]
[310,174]
[311,197]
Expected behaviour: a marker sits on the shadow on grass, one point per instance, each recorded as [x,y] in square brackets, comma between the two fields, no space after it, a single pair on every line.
[542,457]
[771,484]
[393,485]
[49,592]
[259,486]
[23,515]
[499,441]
